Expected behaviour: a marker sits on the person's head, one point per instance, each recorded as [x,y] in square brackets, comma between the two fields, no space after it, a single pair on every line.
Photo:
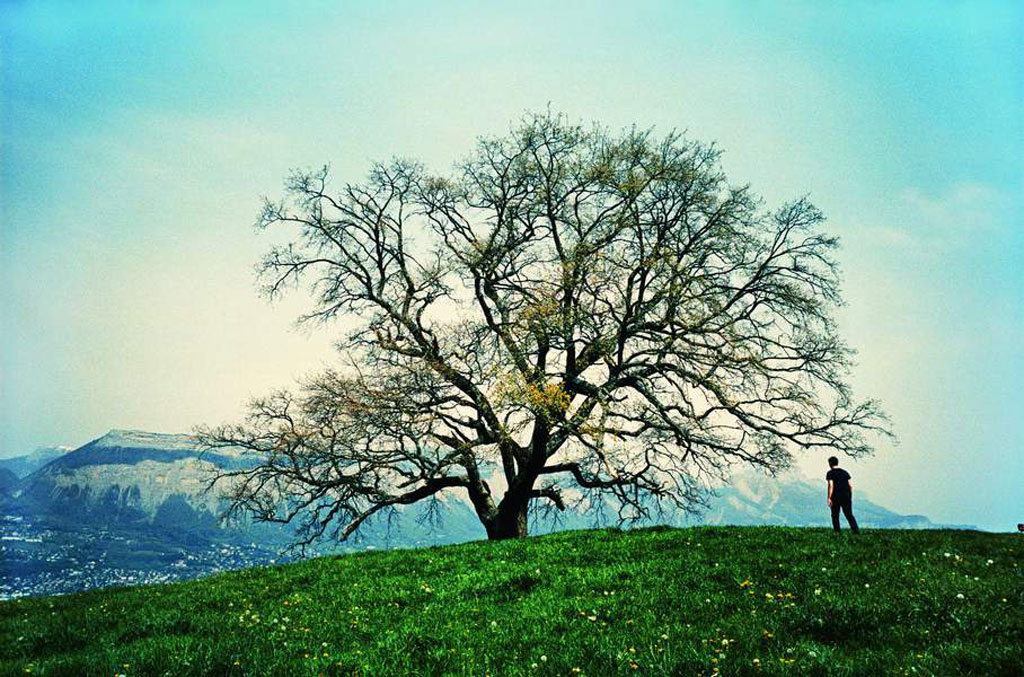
[833,461]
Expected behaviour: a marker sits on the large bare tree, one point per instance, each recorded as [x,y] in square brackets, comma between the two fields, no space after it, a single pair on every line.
[571,315]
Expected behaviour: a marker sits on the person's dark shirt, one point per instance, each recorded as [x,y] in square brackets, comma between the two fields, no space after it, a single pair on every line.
[840,482]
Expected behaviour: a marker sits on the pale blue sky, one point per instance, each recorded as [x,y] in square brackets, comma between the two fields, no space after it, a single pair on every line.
[138,137]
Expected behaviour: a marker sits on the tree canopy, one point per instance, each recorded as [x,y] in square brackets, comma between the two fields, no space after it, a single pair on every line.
[571,315]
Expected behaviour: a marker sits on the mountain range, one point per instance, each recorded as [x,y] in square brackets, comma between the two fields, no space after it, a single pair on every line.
[22,466]
[132,487]
[136,479]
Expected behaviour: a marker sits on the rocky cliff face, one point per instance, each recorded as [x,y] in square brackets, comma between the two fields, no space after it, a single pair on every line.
[128,478]
[156,484]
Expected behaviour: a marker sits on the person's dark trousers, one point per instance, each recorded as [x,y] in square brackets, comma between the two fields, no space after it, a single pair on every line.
[845,504]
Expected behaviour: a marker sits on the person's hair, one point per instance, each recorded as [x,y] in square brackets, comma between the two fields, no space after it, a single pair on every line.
[833,461]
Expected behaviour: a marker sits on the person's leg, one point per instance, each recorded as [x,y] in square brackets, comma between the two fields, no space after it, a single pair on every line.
[835,515]
[848,513]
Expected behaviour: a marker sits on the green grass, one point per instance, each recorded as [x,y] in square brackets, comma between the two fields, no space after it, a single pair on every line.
[700,601]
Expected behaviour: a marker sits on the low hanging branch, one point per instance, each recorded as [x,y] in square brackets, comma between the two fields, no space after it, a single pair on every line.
[604,313]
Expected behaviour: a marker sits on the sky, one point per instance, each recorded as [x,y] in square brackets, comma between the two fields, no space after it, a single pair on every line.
[138,138]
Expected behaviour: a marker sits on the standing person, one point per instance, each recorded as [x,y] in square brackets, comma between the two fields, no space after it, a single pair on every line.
[840,494]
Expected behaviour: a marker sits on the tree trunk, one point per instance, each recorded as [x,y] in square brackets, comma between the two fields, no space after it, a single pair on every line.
[510,522]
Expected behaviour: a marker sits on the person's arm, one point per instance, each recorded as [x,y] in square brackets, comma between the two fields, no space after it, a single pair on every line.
[830,493]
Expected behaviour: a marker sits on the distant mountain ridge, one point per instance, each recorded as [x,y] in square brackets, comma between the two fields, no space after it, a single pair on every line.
[132,480]
[138,478]
[752,499]
[130,447]
[26,464]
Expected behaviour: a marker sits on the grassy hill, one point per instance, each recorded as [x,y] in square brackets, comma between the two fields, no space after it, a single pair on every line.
[699,601]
